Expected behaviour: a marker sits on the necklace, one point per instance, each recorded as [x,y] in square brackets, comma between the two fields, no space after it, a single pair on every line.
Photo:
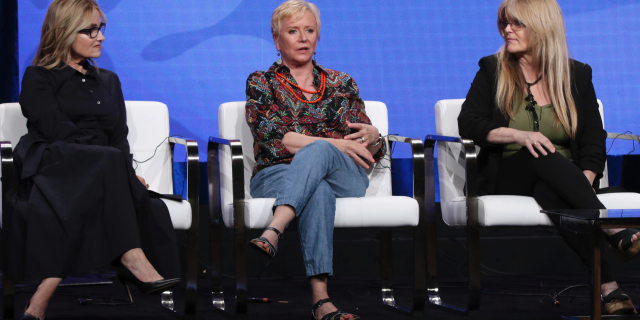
[320,90]
[531,102]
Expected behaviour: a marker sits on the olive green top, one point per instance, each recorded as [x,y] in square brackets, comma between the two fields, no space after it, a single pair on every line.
[523,121]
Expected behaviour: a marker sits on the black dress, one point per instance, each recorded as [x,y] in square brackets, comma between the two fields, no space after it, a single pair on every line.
[79,205]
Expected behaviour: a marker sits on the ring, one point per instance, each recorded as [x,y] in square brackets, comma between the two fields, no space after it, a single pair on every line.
[535,143]
[361,139]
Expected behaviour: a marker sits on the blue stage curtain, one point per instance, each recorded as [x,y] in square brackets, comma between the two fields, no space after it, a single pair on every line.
[9,83]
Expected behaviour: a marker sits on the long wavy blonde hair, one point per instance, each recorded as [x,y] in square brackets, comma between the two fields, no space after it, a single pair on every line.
[61,25]
[550,57]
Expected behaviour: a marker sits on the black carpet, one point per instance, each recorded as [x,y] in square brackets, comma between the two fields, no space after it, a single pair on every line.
[505,297]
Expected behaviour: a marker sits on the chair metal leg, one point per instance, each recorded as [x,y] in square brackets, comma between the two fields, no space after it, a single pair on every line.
[419,232]
[430,230]
[433,291]
[166,298]
[596,307]
[215,226]
[239,237]
[193,197]
[8,171]
[217,293]
[473,225]
[386,261]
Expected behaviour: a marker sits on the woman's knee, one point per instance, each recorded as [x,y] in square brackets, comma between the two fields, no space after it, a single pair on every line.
[322,200]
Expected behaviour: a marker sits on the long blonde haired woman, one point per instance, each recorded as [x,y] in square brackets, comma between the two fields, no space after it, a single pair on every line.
[79,205]
[534,112]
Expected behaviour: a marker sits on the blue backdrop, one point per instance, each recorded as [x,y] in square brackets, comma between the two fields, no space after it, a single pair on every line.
[194,55]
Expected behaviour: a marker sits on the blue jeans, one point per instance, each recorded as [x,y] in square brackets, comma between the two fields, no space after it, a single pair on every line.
[318,174]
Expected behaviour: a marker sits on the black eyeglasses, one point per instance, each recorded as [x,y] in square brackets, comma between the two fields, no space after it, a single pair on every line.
[93,32]
[515,25]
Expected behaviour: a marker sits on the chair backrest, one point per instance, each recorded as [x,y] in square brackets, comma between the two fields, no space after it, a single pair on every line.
[451,164]
[233,125]
[148,124]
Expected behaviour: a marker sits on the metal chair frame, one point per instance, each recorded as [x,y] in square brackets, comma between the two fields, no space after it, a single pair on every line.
[473,225]
[240,239]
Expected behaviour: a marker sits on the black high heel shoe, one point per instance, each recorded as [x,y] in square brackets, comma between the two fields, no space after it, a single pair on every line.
[126,277]
[26,315]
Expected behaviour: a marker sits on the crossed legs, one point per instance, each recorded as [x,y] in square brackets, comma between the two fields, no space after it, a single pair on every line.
[307,189]
[555,183]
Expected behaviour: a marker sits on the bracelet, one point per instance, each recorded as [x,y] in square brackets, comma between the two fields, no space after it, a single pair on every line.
[379,140]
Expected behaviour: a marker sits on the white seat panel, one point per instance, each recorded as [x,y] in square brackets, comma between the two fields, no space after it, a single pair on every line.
[620,200]
[497,211]
[522,211]
[363,212]
[180,213]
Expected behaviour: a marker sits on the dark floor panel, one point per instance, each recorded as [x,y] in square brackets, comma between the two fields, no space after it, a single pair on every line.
[523,297]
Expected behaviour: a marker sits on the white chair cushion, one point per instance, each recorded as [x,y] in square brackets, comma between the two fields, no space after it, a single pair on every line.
[350,212]
[522,211]
[496,211]
[232,125]
[180,213]
[621,200]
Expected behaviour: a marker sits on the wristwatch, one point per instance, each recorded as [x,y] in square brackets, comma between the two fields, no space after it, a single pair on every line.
[379,140]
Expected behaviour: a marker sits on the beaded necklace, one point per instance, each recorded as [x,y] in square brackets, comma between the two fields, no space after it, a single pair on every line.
[320,90]
[530,106]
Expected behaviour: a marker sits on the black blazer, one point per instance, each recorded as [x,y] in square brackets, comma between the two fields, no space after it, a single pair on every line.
[479,115]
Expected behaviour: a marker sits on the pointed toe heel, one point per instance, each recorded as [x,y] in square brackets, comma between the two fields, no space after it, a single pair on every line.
[155,287]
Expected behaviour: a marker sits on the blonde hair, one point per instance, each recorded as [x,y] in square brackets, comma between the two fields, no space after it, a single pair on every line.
[550,57]
[290,8]
[61,25]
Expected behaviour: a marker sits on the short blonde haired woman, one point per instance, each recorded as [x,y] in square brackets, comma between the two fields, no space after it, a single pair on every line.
[79,205]
[312,143]
[534,112]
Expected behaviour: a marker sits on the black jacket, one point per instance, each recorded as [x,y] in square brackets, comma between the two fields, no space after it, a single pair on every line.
[479,115]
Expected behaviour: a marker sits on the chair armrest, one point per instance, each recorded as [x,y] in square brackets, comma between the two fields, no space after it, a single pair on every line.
[417,153]
[237,176]
[623,136]
[471,172]
[435,137]
[6,168]
[8,181]
[193,176]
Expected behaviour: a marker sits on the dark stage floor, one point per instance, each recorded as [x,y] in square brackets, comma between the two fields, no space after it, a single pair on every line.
[504,297]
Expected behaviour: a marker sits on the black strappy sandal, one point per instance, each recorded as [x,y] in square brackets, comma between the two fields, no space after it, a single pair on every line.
[618,303]
[629,249]
[336,315]
[272,249]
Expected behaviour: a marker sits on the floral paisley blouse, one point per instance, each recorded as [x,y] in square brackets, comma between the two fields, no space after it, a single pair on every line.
[272,110]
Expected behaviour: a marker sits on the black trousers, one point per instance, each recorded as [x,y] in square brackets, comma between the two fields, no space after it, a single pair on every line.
[555,183]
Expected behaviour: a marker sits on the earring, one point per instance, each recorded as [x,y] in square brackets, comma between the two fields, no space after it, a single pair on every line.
[279,60]
[314,56]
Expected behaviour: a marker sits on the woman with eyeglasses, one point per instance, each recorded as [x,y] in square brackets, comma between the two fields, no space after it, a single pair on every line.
[79,205]
[312,143]
[534,113]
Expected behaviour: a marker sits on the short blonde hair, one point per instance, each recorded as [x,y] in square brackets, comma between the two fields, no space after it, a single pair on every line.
[290,8]
[61,25]
[549,54]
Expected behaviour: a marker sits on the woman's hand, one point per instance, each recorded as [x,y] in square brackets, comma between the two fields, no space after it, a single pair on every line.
[144,183]
[529,139]
[366,131]
[355,150]
[534,141]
